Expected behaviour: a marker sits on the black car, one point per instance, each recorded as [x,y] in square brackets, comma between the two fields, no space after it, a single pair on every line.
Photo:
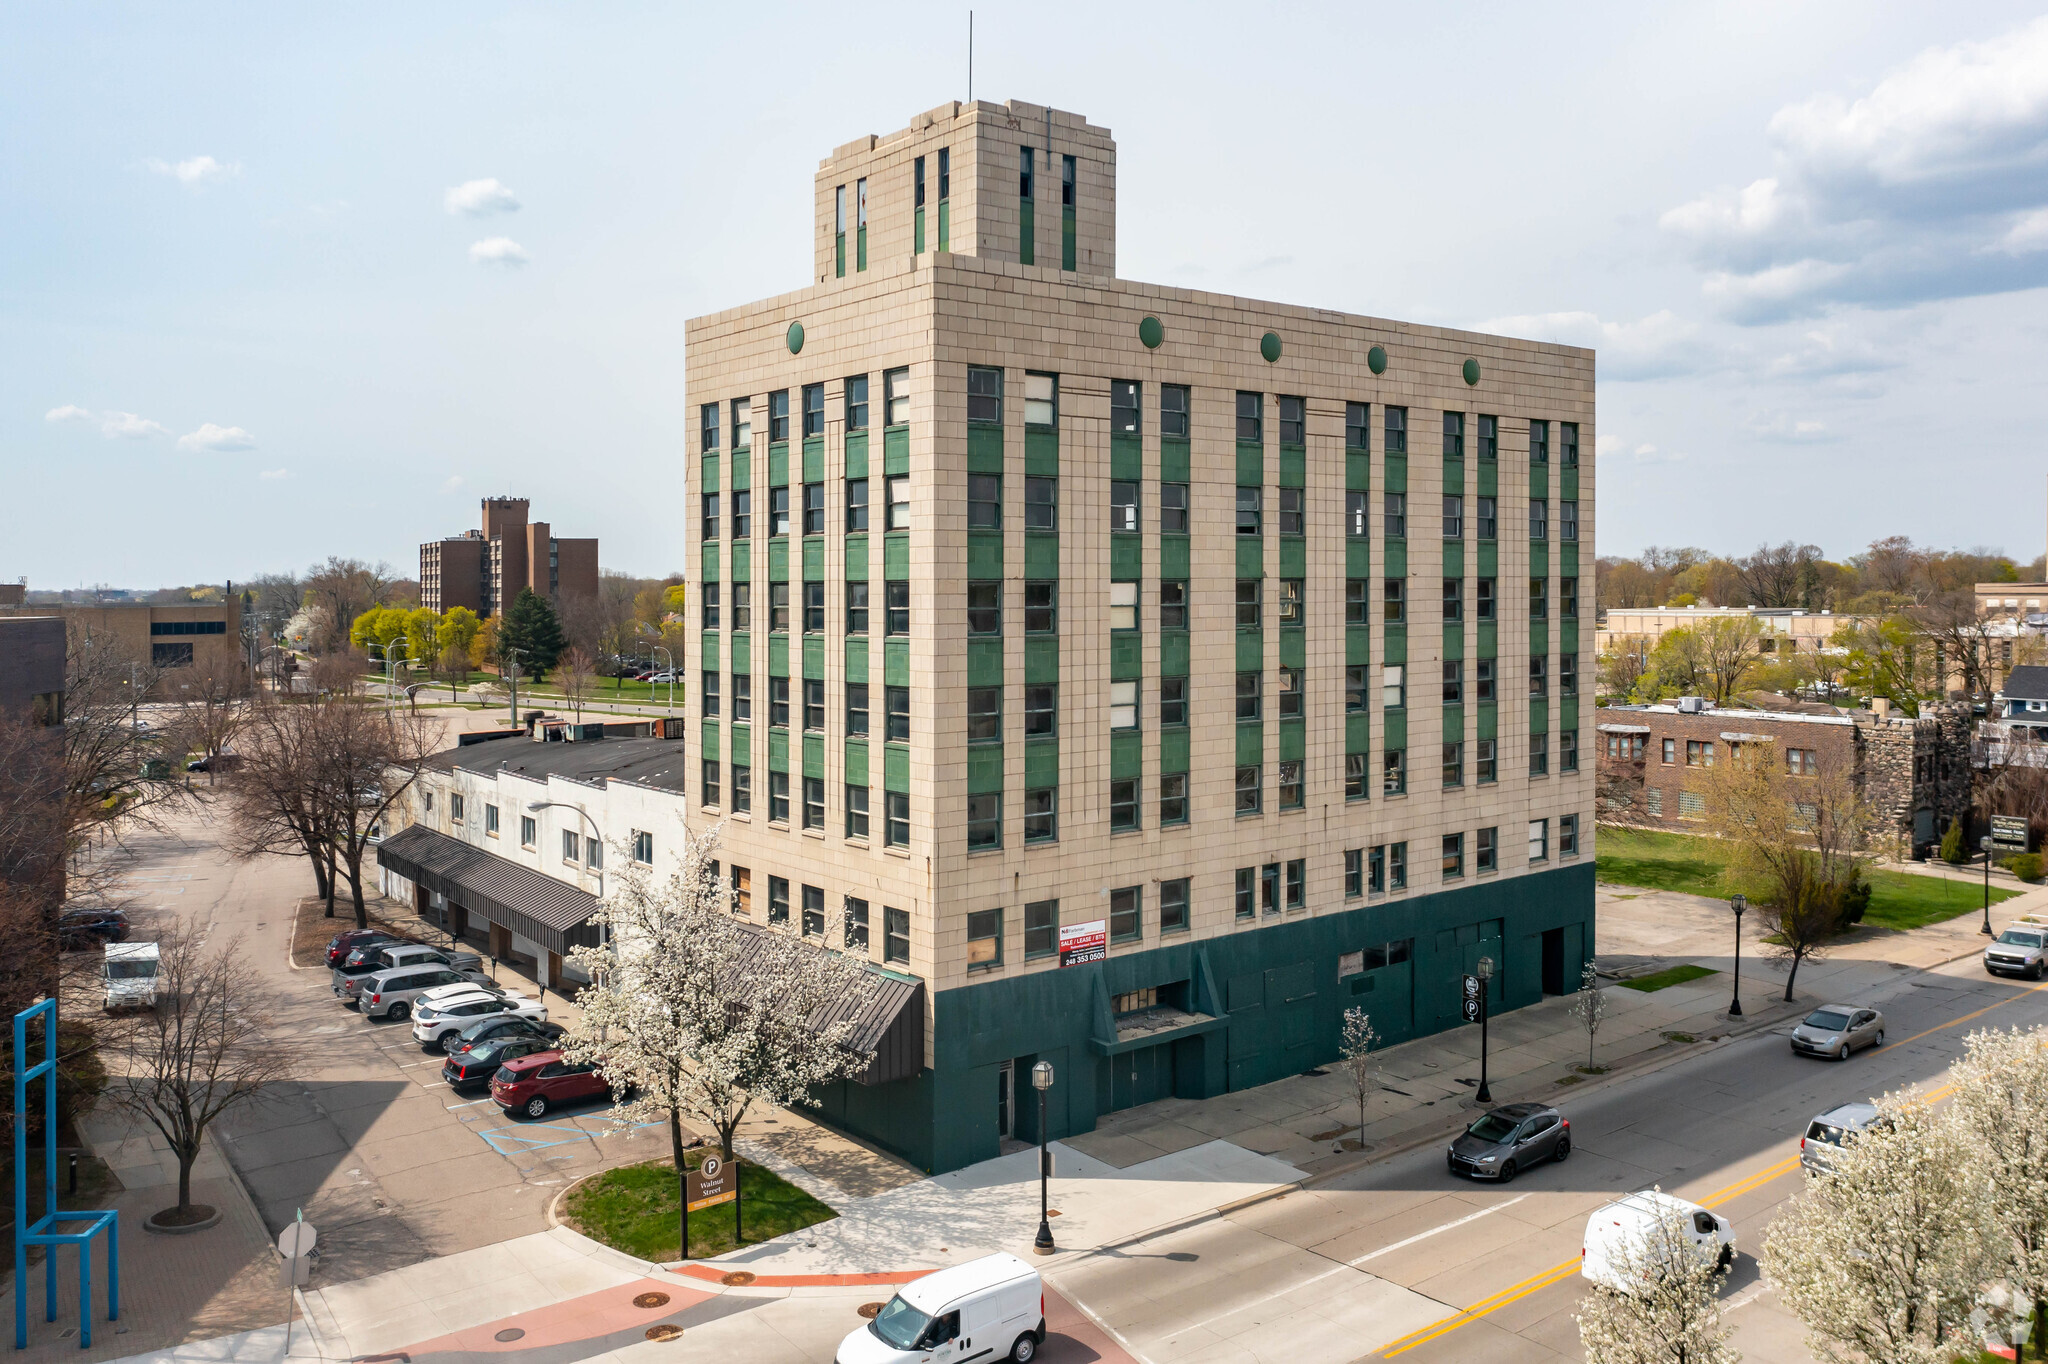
[502,1026]
[78,929]
[1509,1140]
[476,1066]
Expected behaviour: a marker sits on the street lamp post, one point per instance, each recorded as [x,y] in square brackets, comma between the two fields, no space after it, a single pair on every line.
[1485,1095]
[671,676]
[1041,1080]
[1985,844]
[512,666]
[1738,903]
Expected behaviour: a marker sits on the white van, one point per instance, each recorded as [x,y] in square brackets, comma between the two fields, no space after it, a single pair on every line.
[1623,1229]
[132,976]
[991,1308]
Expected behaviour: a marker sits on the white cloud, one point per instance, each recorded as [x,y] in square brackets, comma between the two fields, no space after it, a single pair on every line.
[217,439]
[271,475]
[1933,184]
[130,426]
[480,198]
[453,483]
[498,251]
[67,413]
[1785,428]
[1653,347]
[196,170]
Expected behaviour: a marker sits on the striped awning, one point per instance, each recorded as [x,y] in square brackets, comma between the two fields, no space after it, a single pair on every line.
[538,908]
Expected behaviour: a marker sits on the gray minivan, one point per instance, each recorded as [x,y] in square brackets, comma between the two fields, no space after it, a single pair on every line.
[348,981]
[389,994]
[1830,1132]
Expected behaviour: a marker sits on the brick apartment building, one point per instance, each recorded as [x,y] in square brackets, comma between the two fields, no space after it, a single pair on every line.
[1913,771]
[484,569]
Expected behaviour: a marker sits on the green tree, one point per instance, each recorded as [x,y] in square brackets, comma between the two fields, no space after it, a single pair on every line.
[1887,658]
[531,627]
[422,637]
[378,626]
[1952,851]
[458,628]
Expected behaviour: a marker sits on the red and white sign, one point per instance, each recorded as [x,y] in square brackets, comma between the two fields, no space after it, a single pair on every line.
[1084,942]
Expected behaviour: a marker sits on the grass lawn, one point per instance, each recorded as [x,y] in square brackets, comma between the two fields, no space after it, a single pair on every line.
[634,1209]
[1676,975]
[1693,865]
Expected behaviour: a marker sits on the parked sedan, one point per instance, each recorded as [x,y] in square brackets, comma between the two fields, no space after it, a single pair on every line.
[534,1084]
[480,1062]
[1835,1030]
[501,1025]
[438,1023]
[1509,1140]
[79,929]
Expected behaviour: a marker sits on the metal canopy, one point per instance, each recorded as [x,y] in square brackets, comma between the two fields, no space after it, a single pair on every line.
[539,908]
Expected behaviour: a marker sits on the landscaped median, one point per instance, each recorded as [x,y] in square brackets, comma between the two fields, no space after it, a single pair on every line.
[634,1209]
[1695,865]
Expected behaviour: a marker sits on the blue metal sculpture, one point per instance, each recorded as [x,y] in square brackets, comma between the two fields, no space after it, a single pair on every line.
[41,1233]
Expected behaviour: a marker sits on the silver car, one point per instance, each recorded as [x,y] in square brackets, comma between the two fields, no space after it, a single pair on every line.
[1830,1132]
[389,994]
[1835,1030]
[2019,951]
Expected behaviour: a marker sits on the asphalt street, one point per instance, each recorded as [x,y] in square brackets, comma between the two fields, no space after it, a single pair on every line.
[1403,1260]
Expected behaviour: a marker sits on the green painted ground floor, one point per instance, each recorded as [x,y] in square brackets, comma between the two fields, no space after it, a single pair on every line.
[1206,1018]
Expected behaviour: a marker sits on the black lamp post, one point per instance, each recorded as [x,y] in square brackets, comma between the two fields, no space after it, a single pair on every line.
[1041,1080]
[1738,903]
[1485,1094]
[1985,844]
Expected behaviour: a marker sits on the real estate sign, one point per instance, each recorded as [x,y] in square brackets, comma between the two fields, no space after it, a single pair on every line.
[1084,942]
[2009,831]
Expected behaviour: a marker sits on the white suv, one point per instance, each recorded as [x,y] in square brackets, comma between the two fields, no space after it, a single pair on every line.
[435,1024]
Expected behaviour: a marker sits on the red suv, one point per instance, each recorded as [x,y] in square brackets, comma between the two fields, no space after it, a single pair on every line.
[534,1084]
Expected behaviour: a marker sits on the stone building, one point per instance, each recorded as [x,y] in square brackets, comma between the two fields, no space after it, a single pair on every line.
[1151,674]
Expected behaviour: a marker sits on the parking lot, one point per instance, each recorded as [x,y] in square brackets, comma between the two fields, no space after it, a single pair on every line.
[390,1163]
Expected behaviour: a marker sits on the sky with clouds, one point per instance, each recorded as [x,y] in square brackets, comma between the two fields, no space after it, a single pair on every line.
[279,282]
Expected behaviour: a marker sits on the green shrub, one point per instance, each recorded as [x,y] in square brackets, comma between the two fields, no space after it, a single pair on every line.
[1952,851]
[2026,866]
[1855,900]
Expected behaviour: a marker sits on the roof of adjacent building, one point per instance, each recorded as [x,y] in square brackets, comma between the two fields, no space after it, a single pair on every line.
[656,763]
[434,859]
[2027,682]
[1750,716]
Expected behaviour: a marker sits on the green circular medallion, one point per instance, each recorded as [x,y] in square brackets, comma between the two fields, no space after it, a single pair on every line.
[1151,333]
[1269,346]
[796,337]
[1376,359]
[1471,372]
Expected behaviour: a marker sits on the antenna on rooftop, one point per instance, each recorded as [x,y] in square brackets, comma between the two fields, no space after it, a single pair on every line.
[970,56]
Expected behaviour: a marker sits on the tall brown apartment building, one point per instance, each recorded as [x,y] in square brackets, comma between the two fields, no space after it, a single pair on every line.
[484,569]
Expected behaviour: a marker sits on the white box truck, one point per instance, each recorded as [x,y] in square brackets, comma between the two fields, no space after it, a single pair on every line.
[132,974]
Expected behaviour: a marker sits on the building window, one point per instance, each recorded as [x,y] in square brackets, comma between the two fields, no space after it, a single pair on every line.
[1293,421]
[1354,777]
[709,520]
[1453,857]
[856,811]
[857,395]
[742,788]
[1568,751]
[856,608]
[984,939]
[1489,437]
[1173,508]
[1454,600]
[1538,520]
[814,608]
[1269,888]
[1397,516]
[1355,600]
[778,511]
[778,416]
[1173,905]
[814,704]
[984,822]
[896,599]
[778,702]
[1354,873]
[1670,753]
[1173,798]
[898,701]
[707,428]
[1123,505]
[1041,710]
[1539,442]
[1539,599]
[1248,793]
[710,606]
[1454,517]
[1800,762]
[1293,514]
[593,854]
[896,395]
[1123,705]
[742,605]
[1539,676]
[1123,606]
[1297,883]
[1567,835]
[1041,607]
[1394,601]
[1173,604]
[711,781]
[985,608]
[984,501]
[1041,929]
[1568,675]
[1123,407]
[1397,866]
[1394,771]
[1568,600]
[1251,412]
[897,489]
[1292,611]
[1539,840]
[742,696]
[527,831]
[742,892]
[1249,694]
[742,427]
[1173,411]
[1041,814]
[895,935]
[1482,851]
[1291,788]
[856,506]
[778,797]
[1397,431]
[170,655]
[1488,515]
[1483,594]
[1568,440]
[1454,682]
[814,409]
[1248,594]
[1249,506]
[1123,804]
[1246,894]
[984,715]
[896,805]
[1376,869]
[1454,435]
[1567,520]
[491,821]
[1698,752]
[1484,765]
[814,509]
[1454,764]
[1539,755]
[1354,688]
[1393,686]
[643,848]
[1041,504]
[1041,400]
[778,606]
[1291,707]
[984,395]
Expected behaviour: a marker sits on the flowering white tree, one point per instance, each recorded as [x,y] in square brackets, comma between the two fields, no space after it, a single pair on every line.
[1589,1006]
[699,1014]
[2001,1102]
[1886,1257]
[1672,1316]
[1361,1066]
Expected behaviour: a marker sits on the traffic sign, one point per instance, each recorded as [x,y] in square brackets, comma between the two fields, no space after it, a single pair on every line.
[1473,998]
[711,1183]
[296,1240]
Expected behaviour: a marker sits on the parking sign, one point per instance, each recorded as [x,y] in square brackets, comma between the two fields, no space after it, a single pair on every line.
[1473,998]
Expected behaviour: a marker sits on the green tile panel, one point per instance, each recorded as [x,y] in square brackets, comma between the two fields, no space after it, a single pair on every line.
[1357,557]
[1293,467]
[1042,659]
[1173,459]
[1173,750]
[814,657]
[1126,555]
[778,656]
[856,658]
[1358,732]
[896,767]
[1293,648]
[778,560]
[1397,558]
[1454,476]
[1488,557]
[1251,651]
[1251,556]
[1041,763]
[710,570]
[1396,644]
[984,554]
[742,745]
[945,225]
[1126,754]
[1486,639]
[1293,741]
[1539,638]
[856,561]
[814,459]
[895,556]
[1454,558]
[1454,642]
[1394,725]
[984,448]
[1488,721]
[1539,716]
[1173,653]
[1126,655]
[1251,744]
[778,750]
[1126,457]
[1293,556]
[742,561]
[1539,481]
[896,450]
[814,756]
[917,232]
[814,558]
[1568,482]
[1454,724]
[1357,471]
[708,651]
[1489,478]
[743,469]
[1251,464]
[1568,559]
[1539,559]
[984,663]
[1568,712]
[1397,473]
[1041,453]
[895,663]
[707,482]
[1357,645]
[856,454]
[1041,554]
[984,769]
[1567,636]
[1173,556]
[742,653]
[707,741]
[778,464]
[857,762]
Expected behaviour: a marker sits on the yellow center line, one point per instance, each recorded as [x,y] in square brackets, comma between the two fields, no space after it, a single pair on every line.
[1748,1184]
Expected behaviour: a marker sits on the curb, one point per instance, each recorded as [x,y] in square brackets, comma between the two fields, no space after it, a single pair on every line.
[149,1224]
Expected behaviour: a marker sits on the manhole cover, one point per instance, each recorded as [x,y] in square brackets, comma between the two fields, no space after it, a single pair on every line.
[651,1300]
[509,1333]
[668,1330]
[737,1279]
[870,1310]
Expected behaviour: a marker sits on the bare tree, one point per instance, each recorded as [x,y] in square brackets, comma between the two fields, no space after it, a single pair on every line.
[1952,623]
[1729,648]
[1622,666]
[1362,1068]
[1893,565]
[1779,575]
[1589,1006]
[210,712]
[206,1048]
[343,589]
[363,760]
[275,806]
[576,675]
[454,666]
